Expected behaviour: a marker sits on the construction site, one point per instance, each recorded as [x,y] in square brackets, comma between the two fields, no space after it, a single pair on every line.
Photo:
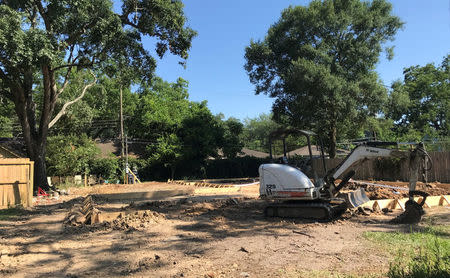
[171,138]
[199,229]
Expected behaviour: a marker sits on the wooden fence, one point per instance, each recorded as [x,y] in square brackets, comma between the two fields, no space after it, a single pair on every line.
[393,170]
[16,182]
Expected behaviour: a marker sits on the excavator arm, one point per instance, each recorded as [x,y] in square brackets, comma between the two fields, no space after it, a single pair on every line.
[417,157]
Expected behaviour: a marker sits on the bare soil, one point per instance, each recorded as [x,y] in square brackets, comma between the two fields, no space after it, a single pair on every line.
[211,233]
[377,192]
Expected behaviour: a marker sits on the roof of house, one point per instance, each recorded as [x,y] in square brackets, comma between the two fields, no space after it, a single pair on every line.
[12,148]
[248,152]
[109,147]
[315,150]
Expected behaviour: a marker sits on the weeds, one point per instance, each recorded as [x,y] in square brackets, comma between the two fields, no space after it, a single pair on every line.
[68,185]
[421,253]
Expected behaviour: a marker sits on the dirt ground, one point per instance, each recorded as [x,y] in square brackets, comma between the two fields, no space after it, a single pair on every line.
[210,233]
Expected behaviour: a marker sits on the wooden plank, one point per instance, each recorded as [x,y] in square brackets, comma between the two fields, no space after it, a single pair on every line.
[433,201]
[444,199]
[31,184]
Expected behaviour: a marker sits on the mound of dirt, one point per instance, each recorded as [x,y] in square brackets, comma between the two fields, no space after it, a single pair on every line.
[135,220]
[377,193]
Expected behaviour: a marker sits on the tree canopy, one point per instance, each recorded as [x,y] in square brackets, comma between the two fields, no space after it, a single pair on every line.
[43,42]
[421,102]
[319,63]
[180,131]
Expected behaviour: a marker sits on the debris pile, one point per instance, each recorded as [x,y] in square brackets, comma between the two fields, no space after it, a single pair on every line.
[81,214]
[413,214]
[129,218]
[135,220]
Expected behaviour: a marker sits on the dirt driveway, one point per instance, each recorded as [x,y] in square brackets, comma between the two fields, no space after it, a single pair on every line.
[214,238]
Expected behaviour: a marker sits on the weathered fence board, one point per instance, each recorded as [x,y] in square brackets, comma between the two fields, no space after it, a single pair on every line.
[16,182]
[371,169]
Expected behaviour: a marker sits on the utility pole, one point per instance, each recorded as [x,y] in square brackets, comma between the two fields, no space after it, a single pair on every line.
[121,125]
[122,149]
[126,157]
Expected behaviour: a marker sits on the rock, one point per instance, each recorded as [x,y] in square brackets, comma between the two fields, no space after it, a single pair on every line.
[368,208]
[430,185]
[243,250]
[363,211]
[80,219]
[386,210]
[245,274]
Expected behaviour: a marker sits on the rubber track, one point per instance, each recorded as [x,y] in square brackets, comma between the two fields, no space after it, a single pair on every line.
[308,210]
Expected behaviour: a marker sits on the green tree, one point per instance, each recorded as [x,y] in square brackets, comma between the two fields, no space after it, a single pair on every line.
[168,150]
[43,41]
[7,117]
[319,63]
[256,132]
[179,131]
[161,108]
[421,103]
[232,141]
[201,135]
[105,167]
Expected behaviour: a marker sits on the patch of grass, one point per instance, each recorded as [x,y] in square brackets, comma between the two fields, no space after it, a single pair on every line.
[420,253]
[11,213]
[325,274]
[66,186]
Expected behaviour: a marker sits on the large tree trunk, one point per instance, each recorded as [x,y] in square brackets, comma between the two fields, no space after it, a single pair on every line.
[332,138]
[172,172]
[35,140]
[40,170]
[35,137]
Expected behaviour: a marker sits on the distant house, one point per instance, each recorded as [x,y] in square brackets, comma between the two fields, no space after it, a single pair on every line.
[315,150]
[12,148]
[108,147]
[304,151]
[252,153]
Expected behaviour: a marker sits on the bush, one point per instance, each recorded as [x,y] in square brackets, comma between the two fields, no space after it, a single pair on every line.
[106,168]
[69,155]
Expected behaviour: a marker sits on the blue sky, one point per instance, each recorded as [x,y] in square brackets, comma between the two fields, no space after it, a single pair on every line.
[215,67]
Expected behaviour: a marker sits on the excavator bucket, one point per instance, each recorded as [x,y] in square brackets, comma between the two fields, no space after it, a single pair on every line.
[357,198]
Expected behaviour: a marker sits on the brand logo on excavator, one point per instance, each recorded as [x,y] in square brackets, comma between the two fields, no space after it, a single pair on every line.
[372,151]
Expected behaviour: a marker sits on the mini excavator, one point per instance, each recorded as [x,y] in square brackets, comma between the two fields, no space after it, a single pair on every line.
[293,194]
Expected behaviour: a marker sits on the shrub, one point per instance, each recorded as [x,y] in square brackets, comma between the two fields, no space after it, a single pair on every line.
[69,155]
[105,167]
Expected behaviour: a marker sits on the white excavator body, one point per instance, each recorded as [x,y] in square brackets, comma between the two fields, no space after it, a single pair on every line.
[279,181]
[293,194]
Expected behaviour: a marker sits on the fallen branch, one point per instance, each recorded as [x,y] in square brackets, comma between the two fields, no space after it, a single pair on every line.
[302,233]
